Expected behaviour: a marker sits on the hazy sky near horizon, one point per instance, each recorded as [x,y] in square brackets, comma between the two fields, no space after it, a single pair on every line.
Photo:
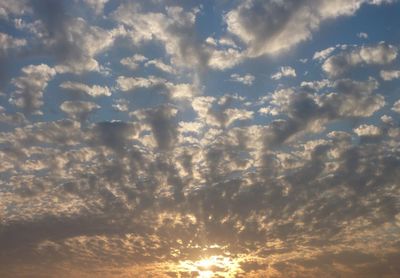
[184,138]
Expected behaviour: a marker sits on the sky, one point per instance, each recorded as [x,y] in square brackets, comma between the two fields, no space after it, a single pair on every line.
[185,138]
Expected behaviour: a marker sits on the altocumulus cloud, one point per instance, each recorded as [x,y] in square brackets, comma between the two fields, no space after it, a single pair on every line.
[172,139]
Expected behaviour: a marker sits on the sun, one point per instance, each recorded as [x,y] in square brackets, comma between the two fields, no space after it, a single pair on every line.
[211,266]
[206,267]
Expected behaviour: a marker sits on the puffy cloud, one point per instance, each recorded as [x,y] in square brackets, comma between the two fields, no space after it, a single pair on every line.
[94,91]
[396,106]
[182,91]
[316,85]
[161,123]
[14,8]
[115,199]
[246,79]
[367,130]
[268,27]
[133,61]
[160,65]
[354,98]
[234,114]
[388,75]
[189,181]
[224,59]
[174,28]
[121,105]
[284,72]
[309,112]
[193,127]
[96,5]
[72,40]
[381,54]
[77,54]
[362,35]
[175,91]
[323,54]
[8,43]
[126,84]
[78,109]
[30,87]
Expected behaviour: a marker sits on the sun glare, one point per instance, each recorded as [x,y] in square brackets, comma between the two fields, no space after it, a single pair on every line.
[211,266]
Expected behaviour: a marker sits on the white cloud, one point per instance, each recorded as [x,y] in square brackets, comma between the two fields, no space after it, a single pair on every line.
[323,54]
[388,75]
[174,29]
[190,127]
[175,91]
[132,83]
[316,85]
[367,130]
[235,114]
[268,27]
[78,109]
[11,7]
[94,90]
[182,90]
[8,43]
[381,54]
[157,63]
[121,105]
[285,71]
[96,5]
[30,87]
[362,35]
[246,79]
[224,59]
[77,44]
[396,106]
[133,61]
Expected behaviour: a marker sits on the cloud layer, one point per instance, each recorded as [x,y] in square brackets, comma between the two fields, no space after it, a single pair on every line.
[137,142]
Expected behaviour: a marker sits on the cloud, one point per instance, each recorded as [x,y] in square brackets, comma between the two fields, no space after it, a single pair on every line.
[224,59]
[121,105]
[381,54]
[234,114]
[94,91]
[309,112]
[29,87]
[174,29]
[115,134]
[160,65]
[396,106]
[286,71]
[323,54]
[246,79]
[133,61]
[269,27]
[367,130]
[153,169]
[96,5]
[8,43]
[126,84]
[73,42]
[13,8]
[174,91]
[78,109]
[388,75]
[316,85]
[362,35]
[160,121]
